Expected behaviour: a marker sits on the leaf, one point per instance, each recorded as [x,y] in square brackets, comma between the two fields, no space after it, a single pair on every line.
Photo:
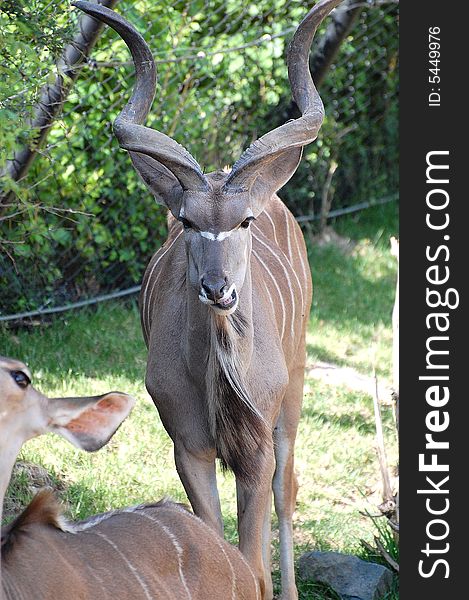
[236,63]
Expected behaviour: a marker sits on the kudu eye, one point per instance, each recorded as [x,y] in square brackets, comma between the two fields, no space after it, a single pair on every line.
[245,224]
[185,223]
[21,378]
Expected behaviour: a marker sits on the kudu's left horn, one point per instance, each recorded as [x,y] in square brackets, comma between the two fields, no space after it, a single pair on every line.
[128,127]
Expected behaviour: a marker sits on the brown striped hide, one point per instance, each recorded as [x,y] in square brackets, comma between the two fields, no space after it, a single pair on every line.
[153,552]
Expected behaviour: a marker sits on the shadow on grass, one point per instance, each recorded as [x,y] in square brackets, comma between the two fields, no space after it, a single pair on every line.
[93,343]
[324,354]
[351,420]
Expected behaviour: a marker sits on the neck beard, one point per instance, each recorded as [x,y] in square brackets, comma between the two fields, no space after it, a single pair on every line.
[238,428]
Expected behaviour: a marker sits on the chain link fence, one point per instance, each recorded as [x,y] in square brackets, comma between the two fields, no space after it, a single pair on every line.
[79,226]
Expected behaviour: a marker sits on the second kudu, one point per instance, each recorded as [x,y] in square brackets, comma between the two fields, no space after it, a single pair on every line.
[157,551]
[225,303]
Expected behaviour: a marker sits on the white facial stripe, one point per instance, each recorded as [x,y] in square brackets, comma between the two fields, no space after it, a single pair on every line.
[216,237]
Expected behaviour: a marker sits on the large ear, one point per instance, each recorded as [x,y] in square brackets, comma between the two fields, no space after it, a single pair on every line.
[160,181]
[264,177]
[89,423]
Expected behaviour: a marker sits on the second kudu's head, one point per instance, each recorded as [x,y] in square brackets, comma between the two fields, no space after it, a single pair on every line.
[216,209]
[25,412]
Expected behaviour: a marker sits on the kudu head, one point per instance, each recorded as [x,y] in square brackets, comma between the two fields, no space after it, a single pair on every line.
[216,209]
[88,423]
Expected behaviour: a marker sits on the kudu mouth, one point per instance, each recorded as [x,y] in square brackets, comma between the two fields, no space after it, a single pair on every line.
[226,305]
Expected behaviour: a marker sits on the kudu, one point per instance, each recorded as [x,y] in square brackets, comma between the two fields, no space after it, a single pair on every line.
[225,303]
[150,552]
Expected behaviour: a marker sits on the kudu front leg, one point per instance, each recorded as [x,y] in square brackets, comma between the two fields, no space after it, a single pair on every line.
[285,486]
[198,475]
[254,508]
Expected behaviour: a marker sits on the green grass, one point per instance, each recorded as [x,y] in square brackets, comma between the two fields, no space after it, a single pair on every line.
[91,352]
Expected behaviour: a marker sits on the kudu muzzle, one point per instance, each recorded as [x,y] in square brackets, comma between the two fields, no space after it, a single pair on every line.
[216,291]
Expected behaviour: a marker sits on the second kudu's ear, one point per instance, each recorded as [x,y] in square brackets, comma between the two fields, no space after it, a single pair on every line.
[88,423]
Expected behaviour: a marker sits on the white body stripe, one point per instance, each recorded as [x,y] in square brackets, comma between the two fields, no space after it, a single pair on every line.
[177,546]
[278,290]
[128,563]
[299,253]
[219,541]
[233,574]
[273,226]
[287,277]
[300,256]
[270,296]
[146,304]
[301,291]
[287,225]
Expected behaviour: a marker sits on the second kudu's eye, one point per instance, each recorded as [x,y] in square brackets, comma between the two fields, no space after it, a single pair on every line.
[21,379]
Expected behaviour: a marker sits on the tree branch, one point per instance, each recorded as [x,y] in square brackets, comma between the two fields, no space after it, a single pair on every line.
[53,96]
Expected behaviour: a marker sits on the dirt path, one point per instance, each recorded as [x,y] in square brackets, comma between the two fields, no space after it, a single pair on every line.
[346,376]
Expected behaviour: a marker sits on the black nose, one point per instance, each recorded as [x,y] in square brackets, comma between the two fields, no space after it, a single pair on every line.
[214,286]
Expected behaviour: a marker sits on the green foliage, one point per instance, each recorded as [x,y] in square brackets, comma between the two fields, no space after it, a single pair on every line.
[32,37]
[82,223]
[383,534]
[360,132]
